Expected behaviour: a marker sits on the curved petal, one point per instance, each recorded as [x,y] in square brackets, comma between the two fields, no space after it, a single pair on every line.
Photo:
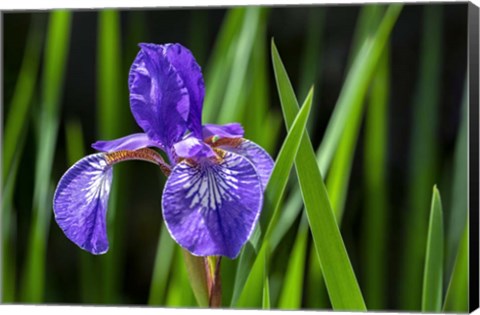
[132,142]
[211,208]
[257,155]
[159,99]
[192,148]
[191,74]
[232,130]
[80,203]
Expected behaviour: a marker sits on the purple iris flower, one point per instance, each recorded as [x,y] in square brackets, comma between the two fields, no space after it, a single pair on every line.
[214,192]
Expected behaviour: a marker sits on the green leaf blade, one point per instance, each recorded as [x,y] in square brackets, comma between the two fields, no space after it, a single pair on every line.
[341,282]
[252,290]
[433,271]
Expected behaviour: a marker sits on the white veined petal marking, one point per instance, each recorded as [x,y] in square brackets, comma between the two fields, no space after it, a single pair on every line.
[211,184]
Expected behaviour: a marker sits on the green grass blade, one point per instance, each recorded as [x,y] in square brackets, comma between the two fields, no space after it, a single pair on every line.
[356,85]
[456,299]
[458,210]
[366,22]
[339,277]
[339,176]
[220,63]
[257,104]
[272,198]
[56,49]
[162,268]
[292,290]
[266,287]
[197,276]
[433,271]
[111,115]
[423,159]
[179,292]
[13,144]
[376,189]
[351,97]
[311,61]
[235,90]
[16,120]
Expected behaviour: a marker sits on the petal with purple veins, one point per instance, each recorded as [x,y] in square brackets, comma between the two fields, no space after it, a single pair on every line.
[159,98]
[80,203]
[191,74]
[211,208]
[231,130]
[257,155]
[132,142]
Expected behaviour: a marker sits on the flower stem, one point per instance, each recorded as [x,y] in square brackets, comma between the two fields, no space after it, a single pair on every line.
[214,281]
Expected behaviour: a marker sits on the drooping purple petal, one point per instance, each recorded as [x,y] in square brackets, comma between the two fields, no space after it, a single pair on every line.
[132,142]
[192,148]
[159,99]
[211,208]
[232,130]
[80,203]
[257,155]
[191,74]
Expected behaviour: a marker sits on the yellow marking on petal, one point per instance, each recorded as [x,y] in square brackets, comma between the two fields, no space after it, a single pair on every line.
[144,154]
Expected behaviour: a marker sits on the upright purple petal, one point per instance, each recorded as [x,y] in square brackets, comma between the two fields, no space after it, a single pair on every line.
[80,203]
[211,208]
[132,142]
[191,74]
[159,99]
[257,155]
[231,130]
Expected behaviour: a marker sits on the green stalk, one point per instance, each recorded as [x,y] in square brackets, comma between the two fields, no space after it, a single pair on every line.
[112,111]
[162,268]
[339,277]
[16,127]
[456,299]
[433,272]
[56,50]
[375,221]
[423,161]
[234,93]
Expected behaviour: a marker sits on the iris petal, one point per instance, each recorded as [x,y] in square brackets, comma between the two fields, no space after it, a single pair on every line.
[159,99]
[231,130]
[257,155]
[191,74]
[80,203]
[192,148]
[211,208]
[132,142]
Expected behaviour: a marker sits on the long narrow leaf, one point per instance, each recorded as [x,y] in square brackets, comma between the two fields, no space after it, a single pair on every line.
[341,282]
[457,215]
[273,194]
[110,118]
[456,299]
[423,158]
[13,145]
[234,93]
[350,96]
[162,268]
[52,82]
[292,290]
[375,221]
[433,271]
[221,62]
